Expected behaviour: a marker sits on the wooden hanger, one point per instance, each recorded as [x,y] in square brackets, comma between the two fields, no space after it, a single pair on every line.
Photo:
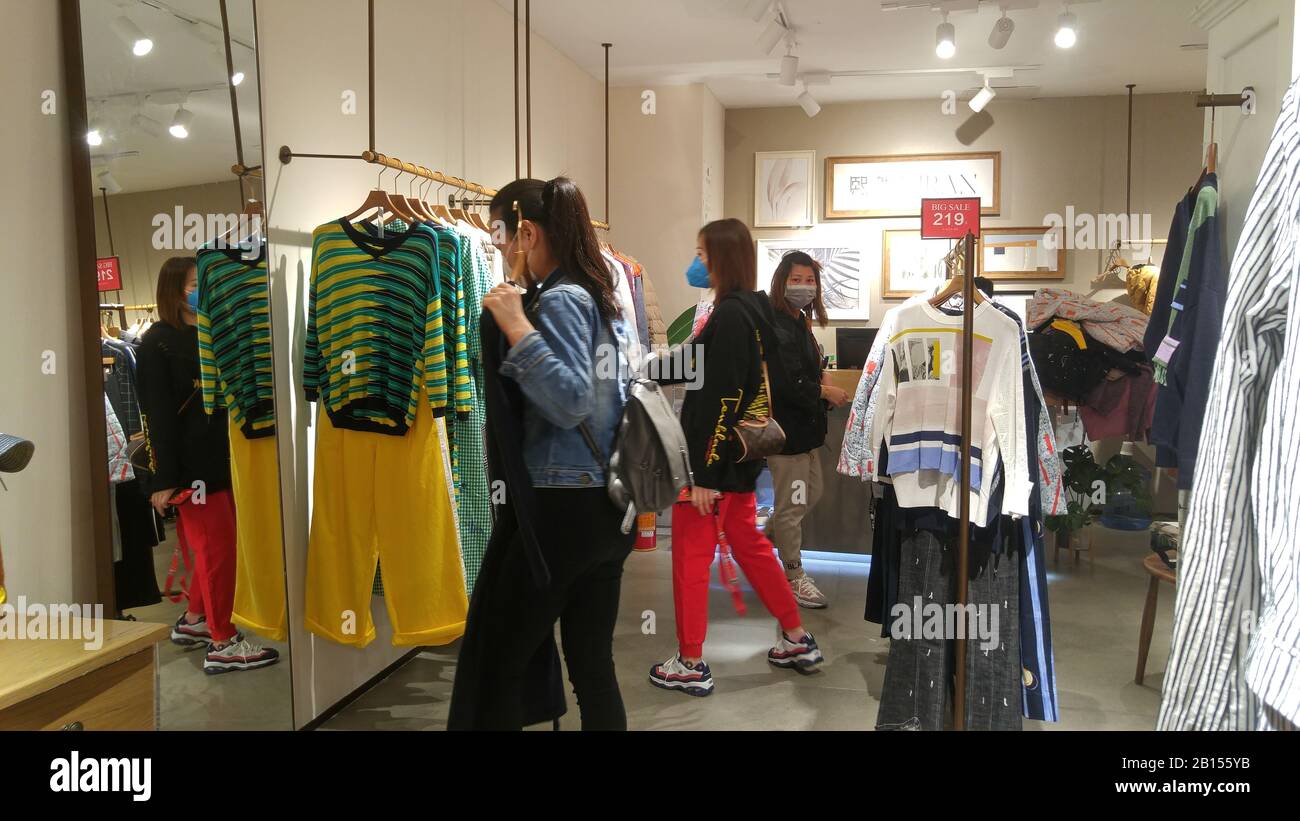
[957,284]
[416,204]
[439,210]
[378,200]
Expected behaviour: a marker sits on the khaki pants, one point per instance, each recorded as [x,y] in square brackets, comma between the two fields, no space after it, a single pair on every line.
[797,485]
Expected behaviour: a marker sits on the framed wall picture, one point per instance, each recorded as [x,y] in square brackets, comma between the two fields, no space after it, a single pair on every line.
[783,188]
[845,288]
[893,186]
[911,264]
[1021,253]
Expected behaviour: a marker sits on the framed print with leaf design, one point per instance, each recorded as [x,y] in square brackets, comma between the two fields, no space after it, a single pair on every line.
[1037,252]
[845,289]
[911,265]
[868,187]
[783,188]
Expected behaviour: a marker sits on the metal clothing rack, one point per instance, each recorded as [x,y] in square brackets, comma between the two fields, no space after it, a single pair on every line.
[370,155]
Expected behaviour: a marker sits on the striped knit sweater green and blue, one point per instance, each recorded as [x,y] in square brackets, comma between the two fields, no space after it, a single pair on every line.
[234,330]
[376,341]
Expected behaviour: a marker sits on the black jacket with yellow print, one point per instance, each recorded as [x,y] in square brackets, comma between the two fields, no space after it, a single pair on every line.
[727,353]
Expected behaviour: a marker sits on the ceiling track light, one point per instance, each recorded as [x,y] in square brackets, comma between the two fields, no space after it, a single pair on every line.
[1002,30]
[181,122]
[809,105]
[789,67]
[132,35]
[1066,29]
[983,97]
[94,136]
[771,35]
[108,182]
[945,39]
[146,125]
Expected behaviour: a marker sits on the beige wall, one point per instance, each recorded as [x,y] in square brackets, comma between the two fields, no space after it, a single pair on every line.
[46,532]
[132,217]
[1252,44]
[667,173]
[1055,153]
[453,114]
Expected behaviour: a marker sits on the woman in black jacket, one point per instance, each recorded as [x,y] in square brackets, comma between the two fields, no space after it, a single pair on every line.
[799,405]
[190,470]
[721,504]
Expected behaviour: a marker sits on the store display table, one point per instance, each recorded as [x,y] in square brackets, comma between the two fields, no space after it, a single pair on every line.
[58,684]
[841,521]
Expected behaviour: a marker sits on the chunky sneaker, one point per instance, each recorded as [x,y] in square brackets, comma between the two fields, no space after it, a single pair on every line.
[806,593]
[191,635]
[673,674]
[801,655]
[238,655]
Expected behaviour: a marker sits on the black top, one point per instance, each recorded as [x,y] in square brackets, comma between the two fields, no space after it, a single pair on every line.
[727,351]
[797,402]
[187,444]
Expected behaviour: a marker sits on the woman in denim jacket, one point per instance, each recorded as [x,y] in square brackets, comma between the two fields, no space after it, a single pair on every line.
[566,355]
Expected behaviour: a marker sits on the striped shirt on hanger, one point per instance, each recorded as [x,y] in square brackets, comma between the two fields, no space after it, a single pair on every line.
[1235,660]
[235,338]
[375,334]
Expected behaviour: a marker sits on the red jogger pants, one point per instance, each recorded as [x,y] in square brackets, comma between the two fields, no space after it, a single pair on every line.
[694,545]
[209,531]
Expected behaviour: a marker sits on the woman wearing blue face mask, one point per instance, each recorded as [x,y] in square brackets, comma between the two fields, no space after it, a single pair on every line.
[800,407]
[190,452]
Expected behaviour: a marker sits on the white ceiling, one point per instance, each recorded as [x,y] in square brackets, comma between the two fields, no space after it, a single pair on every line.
[185,56]
[669,42]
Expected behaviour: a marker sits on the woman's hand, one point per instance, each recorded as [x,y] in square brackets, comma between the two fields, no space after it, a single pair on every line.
[159,500]
[836,396]
[507,307]
[702,500]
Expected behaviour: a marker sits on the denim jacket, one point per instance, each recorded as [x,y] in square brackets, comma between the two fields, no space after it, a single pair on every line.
[569,373]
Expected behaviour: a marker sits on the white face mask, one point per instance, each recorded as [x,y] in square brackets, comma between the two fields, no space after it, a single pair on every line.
[801,296]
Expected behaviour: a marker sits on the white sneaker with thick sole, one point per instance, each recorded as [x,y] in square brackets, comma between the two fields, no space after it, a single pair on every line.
[801,655]
[806,593]
[240,654]
[673,674]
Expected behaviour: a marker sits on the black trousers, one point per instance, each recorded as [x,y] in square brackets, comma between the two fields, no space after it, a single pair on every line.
[578,531]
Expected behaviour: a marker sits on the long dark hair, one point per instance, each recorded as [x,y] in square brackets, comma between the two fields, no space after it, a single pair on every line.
[815,310]
[559,208]
[170,295]
[730,249]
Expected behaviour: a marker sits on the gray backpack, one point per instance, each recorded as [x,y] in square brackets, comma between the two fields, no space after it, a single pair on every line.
[649,464]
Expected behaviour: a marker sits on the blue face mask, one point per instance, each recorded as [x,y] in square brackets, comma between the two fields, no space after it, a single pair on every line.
[697,275]
[193,299]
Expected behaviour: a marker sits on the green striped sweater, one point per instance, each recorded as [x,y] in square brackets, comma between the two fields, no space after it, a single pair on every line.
[234,330]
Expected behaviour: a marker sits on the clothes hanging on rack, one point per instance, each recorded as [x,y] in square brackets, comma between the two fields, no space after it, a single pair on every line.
[380,360]
[1184,330]
[236,375]
[1142,282]
[1007,554]
[1240,555]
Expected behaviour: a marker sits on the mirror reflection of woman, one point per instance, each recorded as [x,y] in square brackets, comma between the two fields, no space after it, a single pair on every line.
[800,408]
[190,456]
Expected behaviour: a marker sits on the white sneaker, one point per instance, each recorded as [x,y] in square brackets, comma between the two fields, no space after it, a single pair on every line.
[673,674]
[806,593]
[801,655]
[240,654]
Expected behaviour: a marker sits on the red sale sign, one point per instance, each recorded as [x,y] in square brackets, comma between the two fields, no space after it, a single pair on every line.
[109,274]
[950,218]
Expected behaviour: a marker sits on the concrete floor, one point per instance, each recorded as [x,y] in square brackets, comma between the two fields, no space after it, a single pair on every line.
[190,699]
[1096,607]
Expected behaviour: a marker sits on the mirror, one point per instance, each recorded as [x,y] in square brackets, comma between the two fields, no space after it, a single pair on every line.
[174,127]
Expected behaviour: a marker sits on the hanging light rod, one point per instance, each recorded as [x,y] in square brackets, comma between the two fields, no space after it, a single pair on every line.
[990,71]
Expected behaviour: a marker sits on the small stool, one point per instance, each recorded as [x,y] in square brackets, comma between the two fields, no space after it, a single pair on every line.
[1159,573]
